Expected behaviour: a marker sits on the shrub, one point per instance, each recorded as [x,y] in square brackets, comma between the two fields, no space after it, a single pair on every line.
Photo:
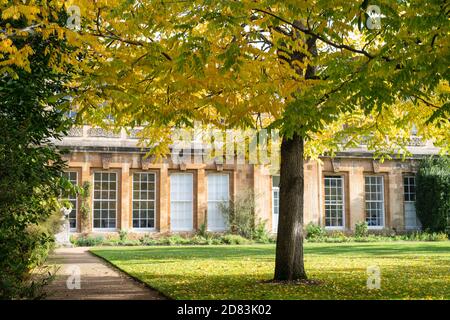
[202,231]
[240,214]
[123,234]
[199,240]
[174,240]
[261,235]
[433,194]
[361,229]
[234,239]
[425,236]
[314,231]
[146,240]
[89,241]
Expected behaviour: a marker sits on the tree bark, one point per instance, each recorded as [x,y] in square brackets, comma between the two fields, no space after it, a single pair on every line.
[289,252]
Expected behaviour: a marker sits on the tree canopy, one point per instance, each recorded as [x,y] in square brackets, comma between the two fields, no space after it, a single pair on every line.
[245,64]
[234,63]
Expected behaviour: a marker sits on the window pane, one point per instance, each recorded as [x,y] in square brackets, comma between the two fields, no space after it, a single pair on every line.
[334,201]
[105,201]
[181,204]
[374,201]
[143,200]
[218,194]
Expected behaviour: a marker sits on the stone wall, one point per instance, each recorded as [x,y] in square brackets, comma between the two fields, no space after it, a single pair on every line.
[246,177]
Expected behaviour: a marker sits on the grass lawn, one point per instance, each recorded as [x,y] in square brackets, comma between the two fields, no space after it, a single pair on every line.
[409,270]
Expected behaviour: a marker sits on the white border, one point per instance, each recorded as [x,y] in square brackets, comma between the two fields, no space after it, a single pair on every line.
[275,230]
[93,199]
[132,199]
[383,206]
[216,201]
[170,201]
[331,228]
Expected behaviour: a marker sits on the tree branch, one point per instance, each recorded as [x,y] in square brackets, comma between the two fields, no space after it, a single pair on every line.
[321,38]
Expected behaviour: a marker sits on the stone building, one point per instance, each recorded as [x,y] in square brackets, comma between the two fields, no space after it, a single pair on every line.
[130,192]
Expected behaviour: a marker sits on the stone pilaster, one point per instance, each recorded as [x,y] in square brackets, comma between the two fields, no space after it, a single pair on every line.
[356,190]
[164,215]
[202,199]
[125,198]
[395,209]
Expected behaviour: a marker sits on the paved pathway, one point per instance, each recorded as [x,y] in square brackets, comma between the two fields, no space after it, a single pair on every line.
[99,281]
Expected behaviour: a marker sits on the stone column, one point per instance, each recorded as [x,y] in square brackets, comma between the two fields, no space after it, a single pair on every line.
[262,186]
[125,197]
[164,195]
[394,209]
[202,199]
[356,196]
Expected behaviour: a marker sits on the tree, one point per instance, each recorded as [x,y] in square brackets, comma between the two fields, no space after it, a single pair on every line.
[35,71]
[313,69]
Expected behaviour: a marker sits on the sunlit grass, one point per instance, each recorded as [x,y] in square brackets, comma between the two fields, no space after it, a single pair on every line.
[418,270]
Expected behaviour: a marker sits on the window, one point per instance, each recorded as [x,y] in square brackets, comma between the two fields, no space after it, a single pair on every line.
[275,202]
[72,176]
[334,202]
[374,192]
[144,200]
[409,185]
[218,193]
[409,194]
[105,200]
[181,202]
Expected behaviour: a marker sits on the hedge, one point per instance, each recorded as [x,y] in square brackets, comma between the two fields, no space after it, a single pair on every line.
[433,194]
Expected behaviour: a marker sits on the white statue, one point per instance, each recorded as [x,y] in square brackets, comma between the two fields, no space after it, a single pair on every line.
[63,237]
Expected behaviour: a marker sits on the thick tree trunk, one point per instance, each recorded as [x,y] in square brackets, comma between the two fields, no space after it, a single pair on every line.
[289,252]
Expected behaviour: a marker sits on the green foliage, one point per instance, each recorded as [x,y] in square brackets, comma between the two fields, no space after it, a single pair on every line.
[425,236]
[240,214]
[175,240]
[203,231]
[30,165]
[314,231]
[339,237]
[433,194]
[234,239]
[146,240]
[123,234]
[361,229]
[260,237]
[85,208]
[260,234]
[88,241]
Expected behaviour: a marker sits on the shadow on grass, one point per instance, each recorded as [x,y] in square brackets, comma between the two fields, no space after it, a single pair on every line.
[267,252]
[191,253]
[381,249]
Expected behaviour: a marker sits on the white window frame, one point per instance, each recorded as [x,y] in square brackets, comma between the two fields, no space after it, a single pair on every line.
[409,185]
[116,199]
[334,202]
[74,199]
[217,201]
[277,190]
[138,229]
[418,225]
[382,201]
[191,200]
